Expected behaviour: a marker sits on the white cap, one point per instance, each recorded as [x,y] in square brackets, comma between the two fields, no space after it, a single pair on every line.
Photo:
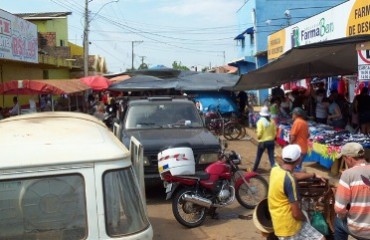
[291,153]
[264,111]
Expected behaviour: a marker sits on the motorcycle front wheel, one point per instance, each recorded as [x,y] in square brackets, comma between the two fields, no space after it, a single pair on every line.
[187,213]
[249,195]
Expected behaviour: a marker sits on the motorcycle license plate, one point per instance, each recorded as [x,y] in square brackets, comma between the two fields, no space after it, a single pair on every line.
[168,187]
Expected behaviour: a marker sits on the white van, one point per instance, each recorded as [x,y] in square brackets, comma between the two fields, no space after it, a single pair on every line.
[66,176]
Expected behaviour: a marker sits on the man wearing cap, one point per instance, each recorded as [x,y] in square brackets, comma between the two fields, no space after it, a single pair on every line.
[288,220]
[299,133]
[266,133]
[352,197]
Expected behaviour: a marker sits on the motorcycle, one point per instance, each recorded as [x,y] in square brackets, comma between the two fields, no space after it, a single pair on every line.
[195,196]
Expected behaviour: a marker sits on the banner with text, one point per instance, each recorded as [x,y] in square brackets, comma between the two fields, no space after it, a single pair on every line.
[18,39]
[363,64]
[347,19]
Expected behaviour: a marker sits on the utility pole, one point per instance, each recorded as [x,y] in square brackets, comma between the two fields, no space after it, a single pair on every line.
[86,39]
[132,53]
[142,59]
[224,57]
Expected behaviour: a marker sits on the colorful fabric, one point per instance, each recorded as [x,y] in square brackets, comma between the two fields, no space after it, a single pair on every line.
[282,192]
[354,191]
[266,130]
[300,131]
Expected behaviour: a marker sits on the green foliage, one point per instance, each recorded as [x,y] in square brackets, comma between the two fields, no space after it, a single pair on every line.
[178,66]
[143,66]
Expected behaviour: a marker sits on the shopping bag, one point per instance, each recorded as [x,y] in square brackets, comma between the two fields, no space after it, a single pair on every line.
[319,223]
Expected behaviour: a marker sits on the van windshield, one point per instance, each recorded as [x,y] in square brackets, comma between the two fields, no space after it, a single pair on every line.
[50,207]
[124,210]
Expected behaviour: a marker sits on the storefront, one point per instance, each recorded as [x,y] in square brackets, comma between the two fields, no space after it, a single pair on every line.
[334,42]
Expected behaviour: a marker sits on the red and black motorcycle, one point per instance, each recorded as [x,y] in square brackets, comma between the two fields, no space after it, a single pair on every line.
[194,196]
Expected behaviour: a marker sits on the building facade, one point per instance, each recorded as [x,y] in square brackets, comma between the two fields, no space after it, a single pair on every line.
[257,19]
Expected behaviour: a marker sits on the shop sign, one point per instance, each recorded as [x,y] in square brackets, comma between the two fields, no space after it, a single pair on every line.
[347,19]
[363,64]
[18,39]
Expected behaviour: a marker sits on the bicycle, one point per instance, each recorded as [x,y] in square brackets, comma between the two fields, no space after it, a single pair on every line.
[230,128]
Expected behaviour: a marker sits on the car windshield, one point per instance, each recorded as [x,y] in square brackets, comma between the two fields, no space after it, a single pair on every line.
[163,115]
[49,207]
[125,213]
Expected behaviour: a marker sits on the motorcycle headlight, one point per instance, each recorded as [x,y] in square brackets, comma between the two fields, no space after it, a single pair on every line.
[208,158]
[146,161]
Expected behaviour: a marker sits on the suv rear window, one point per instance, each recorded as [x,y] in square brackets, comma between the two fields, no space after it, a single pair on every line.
[162,115]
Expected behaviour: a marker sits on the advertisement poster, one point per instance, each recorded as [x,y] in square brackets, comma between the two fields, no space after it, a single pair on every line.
[18,39]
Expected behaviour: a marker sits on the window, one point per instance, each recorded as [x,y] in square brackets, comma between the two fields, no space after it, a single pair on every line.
[163,115]
[124,212]
[51,207]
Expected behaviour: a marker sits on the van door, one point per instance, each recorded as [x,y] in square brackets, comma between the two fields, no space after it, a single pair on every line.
[137,159]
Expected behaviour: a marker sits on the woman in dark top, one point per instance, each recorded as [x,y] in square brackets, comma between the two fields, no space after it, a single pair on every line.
[362,107]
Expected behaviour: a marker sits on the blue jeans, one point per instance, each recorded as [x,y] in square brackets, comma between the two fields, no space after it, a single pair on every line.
[341,231]
[270,146]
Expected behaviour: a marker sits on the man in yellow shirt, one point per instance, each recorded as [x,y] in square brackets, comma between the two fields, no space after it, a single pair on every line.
[288,220]
[266,133]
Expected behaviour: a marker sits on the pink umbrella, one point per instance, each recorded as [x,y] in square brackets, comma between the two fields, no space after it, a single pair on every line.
[97,82]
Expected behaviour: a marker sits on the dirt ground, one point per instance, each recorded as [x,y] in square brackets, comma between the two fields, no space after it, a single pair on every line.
[232,223]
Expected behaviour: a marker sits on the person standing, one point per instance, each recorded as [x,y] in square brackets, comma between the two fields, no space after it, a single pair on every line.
[362,107]
[335,118]
[299,133]
[242,99]
[352,196]
[288,220]
[321,108]
[266,133]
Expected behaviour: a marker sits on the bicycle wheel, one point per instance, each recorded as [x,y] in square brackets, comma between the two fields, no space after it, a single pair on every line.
[234,131]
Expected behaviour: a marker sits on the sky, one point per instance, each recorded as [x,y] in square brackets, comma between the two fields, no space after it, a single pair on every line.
[194,32]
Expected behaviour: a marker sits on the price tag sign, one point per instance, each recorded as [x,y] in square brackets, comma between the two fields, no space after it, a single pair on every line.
[363,64]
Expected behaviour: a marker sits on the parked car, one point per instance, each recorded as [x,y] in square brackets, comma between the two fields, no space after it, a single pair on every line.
[66,176]
[162,122]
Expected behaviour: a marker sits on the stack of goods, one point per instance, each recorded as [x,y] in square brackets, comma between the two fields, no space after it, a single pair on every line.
[342,137]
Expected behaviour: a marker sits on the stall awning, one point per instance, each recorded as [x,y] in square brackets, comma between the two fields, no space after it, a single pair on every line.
[33,87]
[337,57]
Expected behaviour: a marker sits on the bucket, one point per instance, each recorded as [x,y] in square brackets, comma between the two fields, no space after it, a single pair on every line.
[262,218]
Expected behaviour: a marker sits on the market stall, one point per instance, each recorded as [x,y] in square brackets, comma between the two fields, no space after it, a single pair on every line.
[325,142]
[51,87]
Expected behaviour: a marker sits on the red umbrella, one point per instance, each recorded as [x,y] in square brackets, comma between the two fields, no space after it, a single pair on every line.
[97,82]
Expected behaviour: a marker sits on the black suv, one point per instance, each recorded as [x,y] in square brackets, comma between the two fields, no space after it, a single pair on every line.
[161,122]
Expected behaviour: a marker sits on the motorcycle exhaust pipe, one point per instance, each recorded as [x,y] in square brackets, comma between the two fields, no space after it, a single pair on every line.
[204,202]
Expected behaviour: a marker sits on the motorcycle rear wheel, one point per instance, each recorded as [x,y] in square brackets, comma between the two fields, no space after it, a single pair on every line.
[186,213]
[250,195]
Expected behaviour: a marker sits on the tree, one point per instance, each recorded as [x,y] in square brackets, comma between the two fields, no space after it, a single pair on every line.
[143,66]
[178,66]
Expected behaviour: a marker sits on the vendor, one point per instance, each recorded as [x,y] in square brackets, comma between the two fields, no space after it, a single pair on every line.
[335,117]
[15,110]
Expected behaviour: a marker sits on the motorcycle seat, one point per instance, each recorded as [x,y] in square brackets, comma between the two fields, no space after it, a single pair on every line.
[197,175]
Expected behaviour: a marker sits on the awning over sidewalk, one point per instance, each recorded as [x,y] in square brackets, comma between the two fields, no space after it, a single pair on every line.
[337,57]
[33,87]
